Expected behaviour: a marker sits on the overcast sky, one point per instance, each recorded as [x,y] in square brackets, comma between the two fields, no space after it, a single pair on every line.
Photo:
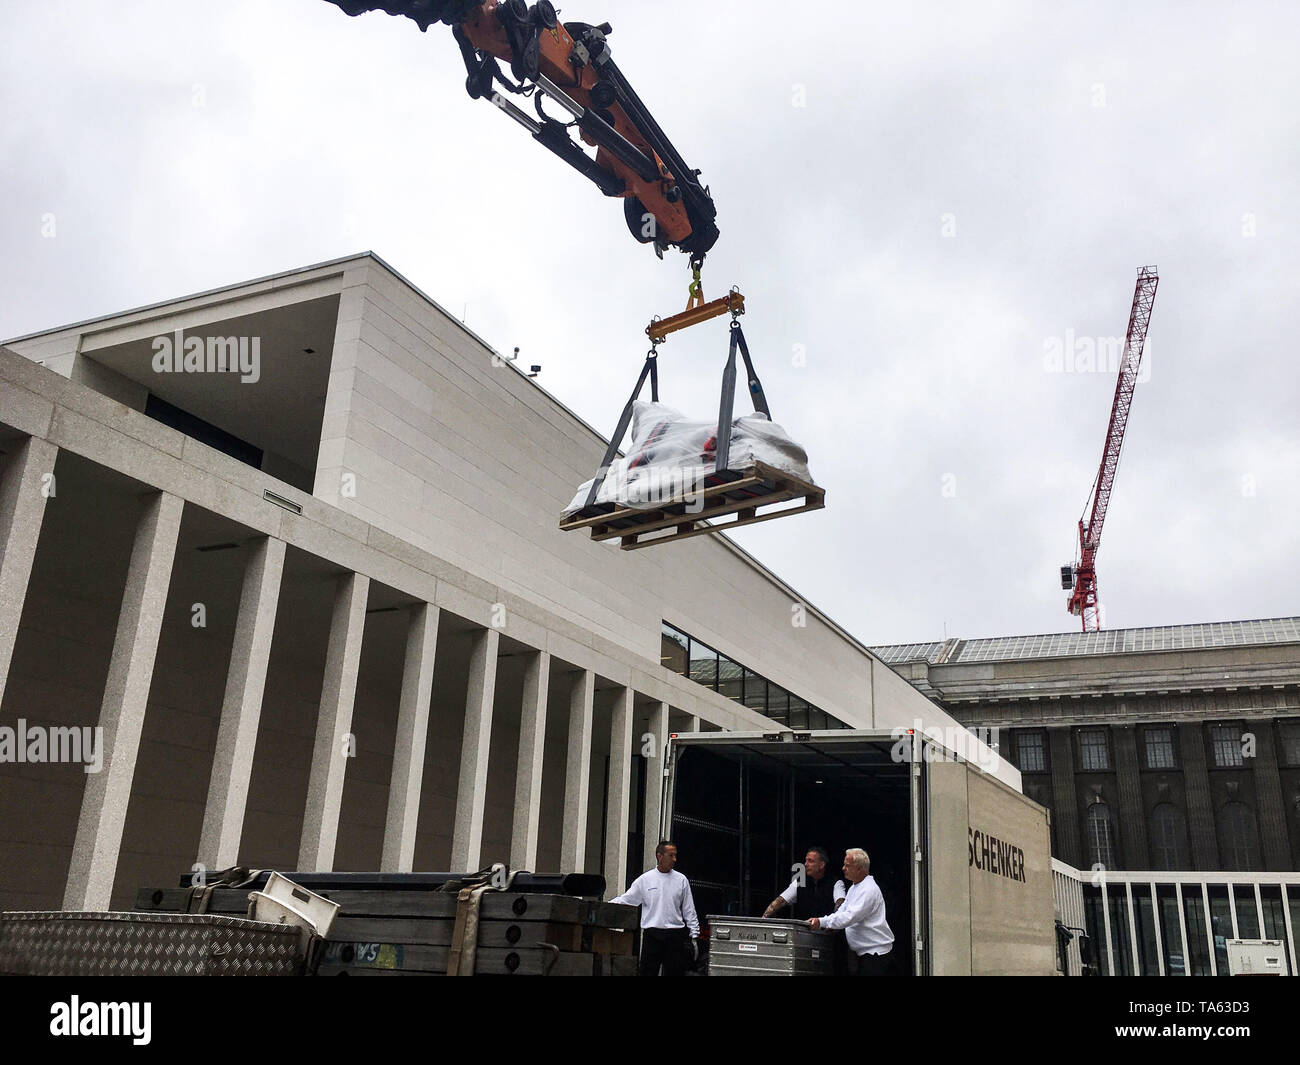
[926,201]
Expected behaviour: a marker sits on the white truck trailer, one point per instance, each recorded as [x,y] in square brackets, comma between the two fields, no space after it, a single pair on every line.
[963,859]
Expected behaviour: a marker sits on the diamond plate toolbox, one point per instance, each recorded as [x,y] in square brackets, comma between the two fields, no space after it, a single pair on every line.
[145,944]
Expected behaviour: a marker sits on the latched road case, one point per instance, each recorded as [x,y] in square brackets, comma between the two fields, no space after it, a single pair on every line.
[754,946]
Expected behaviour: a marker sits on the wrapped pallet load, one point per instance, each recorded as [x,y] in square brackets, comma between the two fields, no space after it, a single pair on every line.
[679,477]
[671,458]
[668,483]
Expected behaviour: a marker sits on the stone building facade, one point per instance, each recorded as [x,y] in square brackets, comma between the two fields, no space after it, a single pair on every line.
[1165,749]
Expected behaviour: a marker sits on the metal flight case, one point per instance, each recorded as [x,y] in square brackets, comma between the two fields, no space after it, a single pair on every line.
[754,946]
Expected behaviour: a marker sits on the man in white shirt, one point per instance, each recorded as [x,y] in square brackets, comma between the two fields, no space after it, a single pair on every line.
[669,927]
[862,916]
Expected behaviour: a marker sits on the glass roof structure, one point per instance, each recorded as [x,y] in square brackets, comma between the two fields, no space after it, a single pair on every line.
[1109,642]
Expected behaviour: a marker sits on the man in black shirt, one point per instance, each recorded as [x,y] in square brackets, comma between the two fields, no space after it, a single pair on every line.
[812,895]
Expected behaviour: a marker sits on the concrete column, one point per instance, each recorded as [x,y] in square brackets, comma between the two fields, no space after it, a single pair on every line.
[121,715]
[619,792]
[409,745]
[329,761]
[1134,852]
[1200,813]
[693,723]
[528,772]
[1065,800]
[241,708]
[22,510]
[577,773]
[1268,798]
[654,781]
[471,791]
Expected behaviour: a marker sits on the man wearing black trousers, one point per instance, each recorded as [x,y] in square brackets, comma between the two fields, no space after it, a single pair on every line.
[669,926]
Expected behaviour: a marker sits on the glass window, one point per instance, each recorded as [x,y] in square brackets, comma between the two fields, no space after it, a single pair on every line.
[755,695]
[1146,931]
[1171,936]
[1220,926]
[1238,838]
[1031,753]
[674,649]
[1117,898]
[1094,753]
[1274,922]
[730,678]
[704,664]
[1290,746]
[1168,837]
[1096,924]
[1101,837]
[1225,745]
[1160,748]
[1292,892]
[686,655]
[1243,895]
[1198,943]
[778,703]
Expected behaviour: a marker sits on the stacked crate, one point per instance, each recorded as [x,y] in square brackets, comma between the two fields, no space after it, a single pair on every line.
[394,932]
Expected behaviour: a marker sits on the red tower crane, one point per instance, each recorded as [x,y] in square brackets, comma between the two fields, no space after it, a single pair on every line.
[1082,576]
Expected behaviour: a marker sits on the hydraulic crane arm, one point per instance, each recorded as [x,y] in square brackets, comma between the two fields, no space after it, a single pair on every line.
[663,201]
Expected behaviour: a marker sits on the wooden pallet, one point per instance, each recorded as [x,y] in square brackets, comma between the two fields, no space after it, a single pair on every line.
[738,495]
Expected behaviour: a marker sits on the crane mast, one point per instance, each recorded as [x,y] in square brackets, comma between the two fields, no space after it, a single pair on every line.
[1082,577]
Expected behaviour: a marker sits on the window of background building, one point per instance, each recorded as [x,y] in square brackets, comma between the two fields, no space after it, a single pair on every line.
[704,665]
[730,678]
[1198,941]
[1238,837]
[1031,752]
[778,703]
[1168,837]
[1101,837]
[1225,745]
[755,695]
[1094,752]
[1159,748]
[685,654]
[1290,745]
[1274,921]
[674,653]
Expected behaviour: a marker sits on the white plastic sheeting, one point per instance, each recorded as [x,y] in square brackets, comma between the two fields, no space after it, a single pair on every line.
[670,457]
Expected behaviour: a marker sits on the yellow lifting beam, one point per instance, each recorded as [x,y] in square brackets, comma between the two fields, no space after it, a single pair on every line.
[697,310]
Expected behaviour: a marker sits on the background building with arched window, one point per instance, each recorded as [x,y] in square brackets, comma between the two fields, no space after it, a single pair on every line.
[1170,760]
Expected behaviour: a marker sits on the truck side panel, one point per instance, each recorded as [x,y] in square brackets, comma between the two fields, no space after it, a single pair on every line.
[1009,861]
[949,870]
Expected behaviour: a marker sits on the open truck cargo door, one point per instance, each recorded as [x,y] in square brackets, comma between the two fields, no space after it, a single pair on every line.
[964,860]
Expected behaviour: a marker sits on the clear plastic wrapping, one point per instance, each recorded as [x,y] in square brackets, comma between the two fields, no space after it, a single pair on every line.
[671,456]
